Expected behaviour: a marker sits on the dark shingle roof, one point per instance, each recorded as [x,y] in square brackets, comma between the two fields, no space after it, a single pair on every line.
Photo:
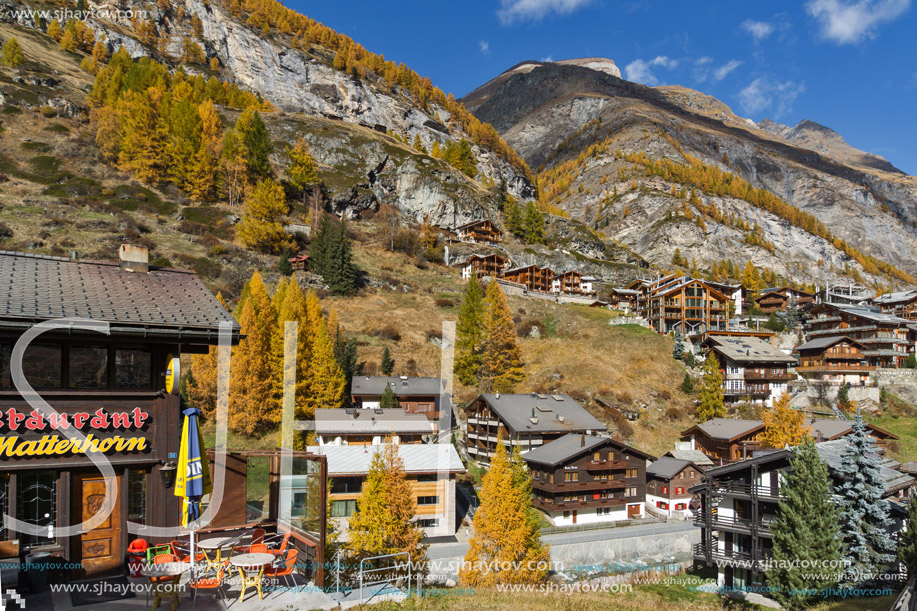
[832,453]
[517,411]
[667,467]
[34,288]
[369,421]
[826,342]
[727,428]
[562,449]
[747,349]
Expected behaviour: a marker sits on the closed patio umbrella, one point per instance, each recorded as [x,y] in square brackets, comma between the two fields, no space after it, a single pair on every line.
[193,473]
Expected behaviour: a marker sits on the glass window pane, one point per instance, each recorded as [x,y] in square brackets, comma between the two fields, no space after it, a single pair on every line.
[5,352]
[38,504]
[133,369]
[88,367]
[42,366]
[136,496]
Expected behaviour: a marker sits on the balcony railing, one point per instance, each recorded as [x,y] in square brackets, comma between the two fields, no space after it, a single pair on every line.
[767,375]
[741,488]
[573,487]
[605,464]
[834,368]
[740,557]
[561,505]
[731,521]
[748,391]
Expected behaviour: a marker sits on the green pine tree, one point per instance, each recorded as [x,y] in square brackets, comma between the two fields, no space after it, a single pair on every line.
[469,334]
[678,349]
[533,225]
[256,141]
[687,384]
[711,391]
[807,544]
[345,353]
[907,543]
[388,363]
[388,400]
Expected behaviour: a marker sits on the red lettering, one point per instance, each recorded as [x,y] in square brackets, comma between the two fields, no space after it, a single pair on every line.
[79,419]
[36,421]
[140,417]
[58,421]
[13,418]
[120,420]
[100,421]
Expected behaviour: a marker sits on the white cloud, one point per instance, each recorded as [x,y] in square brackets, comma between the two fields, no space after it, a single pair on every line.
[850,22]
[758,29]
[512,11]
[720,73]
[485,47]
[764,93]
[641,71]
[700,61]
[548,59]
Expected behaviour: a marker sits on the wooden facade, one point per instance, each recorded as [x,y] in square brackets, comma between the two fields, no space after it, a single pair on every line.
[531,277]
[669,492]
[682,304]
[481,266]
[725,440]
[884,336]
[483,231]
[834,359]
[771,300]
[599,479]
[903,305]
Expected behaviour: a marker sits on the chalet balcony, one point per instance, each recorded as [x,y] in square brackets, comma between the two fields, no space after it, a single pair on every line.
[748,391]
[548,504]
[741,558]
[574,487]
[836,368]
[605,464]
[839,330]
[734,522]
[746,490]
[767,375]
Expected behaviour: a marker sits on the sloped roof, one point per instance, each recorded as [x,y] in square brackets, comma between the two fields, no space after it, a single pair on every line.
[401,386]
[830,428]
[748,349]
[898,297]
[726,428]
[562,449]
[667,467]
[832,452]
[517,410]
[863,313]
[417,457]
[371,422]
[35,288]
[826,342]
[695,456]
[476,223]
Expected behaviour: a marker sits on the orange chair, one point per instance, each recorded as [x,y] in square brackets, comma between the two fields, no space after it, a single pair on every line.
[210,583]
[278,546]
[285,568]
[257,539]
[182,549]
[159,583]
[258,548]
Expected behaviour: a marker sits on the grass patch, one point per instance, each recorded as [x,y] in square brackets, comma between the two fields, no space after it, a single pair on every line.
[11,110]
[38,147]
[205,215]
[76,186]
[132,198]
[57,128]
[905,428]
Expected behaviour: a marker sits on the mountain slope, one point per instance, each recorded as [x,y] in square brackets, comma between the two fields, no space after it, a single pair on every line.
[552,114]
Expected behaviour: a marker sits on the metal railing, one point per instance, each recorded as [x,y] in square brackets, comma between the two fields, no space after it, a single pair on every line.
[387,579]
[550,530]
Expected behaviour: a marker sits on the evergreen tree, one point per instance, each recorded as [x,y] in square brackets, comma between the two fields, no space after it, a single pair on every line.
[262,221]
[331,257]
[711,391]
[513,215]
[843,398]
[502,358]
[807,545]
[11,54]
[791,318]
[864,511]
[253,405]
[687,384]
[907,542]
[678,350]
[327,384]
[505,546]
[460,156]
[470,334]
[388,400]
[345,353]
[142,135]
[677,258]
[784,425]
[388,363]
[774,323]
[283,262]
[384,522]
[911,361]
[533,225]
[256,144]
[301,168]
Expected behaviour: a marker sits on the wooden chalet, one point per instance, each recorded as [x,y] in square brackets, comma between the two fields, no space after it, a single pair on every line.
[415,395]
[527,421]
[569,282]
[683,304]
[481,266]
[753,370]
[581,479]
[773,299]
[902,304]
[622,299]
[837,360]
[300,262]
[531,277]
[884,336]
[667,482]
[479,232]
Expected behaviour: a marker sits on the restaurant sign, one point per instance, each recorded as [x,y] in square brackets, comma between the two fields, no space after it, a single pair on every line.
[53,442]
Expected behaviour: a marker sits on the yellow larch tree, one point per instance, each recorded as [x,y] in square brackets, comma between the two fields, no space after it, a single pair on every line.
[505,546]
[290,305]
[784,425]
[253,406]
[327,381]
[502,365]
[262,226]
[202,388]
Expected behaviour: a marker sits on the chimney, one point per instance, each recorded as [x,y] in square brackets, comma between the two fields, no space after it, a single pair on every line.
[134,258]
[582,441]
[498,395]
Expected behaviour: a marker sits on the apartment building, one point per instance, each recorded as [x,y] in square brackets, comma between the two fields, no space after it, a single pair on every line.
[753,370]
[668,483]
[836,360]
[677,303]
[370,427]
[884,336]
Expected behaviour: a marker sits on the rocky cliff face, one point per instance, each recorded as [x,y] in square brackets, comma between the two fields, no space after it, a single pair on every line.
[552,113]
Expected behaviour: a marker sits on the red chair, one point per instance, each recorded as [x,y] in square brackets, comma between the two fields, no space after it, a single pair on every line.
[157,581]
[284,568]
[210,583]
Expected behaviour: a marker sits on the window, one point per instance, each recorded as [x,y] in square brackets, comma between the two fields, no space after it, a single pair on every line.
[597,456]
[630,473]
[427,477]
[428,522]
[346,485]
[679,506]
[630,491]
[665,490]
[571,476]
[37,492]
[42,366]
[427,500]
[566,514]
[88,367]
[679,490]
[136,496]
[690,474]
[343,509]
[133,368]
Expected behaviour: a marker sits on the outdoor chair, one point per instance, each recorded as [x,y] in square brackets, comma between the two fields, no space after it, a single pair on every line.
[284,569]
[210,583]
[182,549]
[258,548]
[157,550]
[156,582]
[277,544]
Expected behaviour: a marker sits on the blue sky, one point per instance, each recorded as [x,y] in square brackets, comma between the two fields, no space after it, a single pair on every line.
[848,64]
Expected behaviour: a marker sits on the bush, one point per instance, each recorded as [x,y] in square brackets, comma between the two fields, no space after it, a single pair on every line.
[524,329]
[5,231]
[625,428]
[48,112]
[444,303]
[911,362]
[433,335]
[389,332]
[673,413]
[207,268]
[191,228]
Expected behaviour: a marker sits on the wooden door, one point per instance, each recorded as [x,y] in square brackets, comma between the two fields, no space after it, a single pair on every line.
[633,511]
[574,516]
[99,549]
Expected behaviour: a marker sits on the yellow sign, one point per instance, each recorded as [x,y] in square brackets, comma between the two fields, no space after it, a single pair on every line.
[54,445]
[173,375]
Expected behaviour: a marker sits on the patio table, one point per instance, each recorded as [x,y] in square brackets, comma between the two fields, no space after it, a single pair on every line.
[163,588]
[214,545]
[250,562]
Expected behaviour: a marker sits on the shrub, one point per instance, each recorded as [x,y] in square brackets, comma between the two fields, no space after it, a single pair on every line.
[5,231]
[625,428]
[389,332]
[431,335]
[191,228]
[207,267]
[48,112]
[444,303]
[525,328]
[673,413]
